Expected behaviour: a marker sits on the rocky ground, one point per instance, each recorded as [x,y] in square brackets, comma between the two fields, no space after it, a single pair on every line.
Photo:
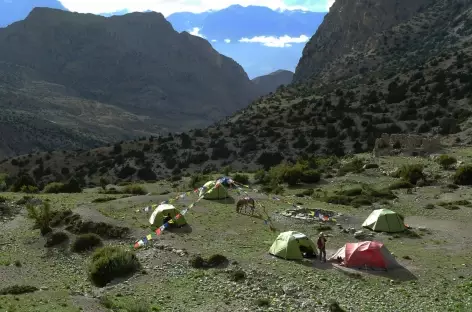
[436,274]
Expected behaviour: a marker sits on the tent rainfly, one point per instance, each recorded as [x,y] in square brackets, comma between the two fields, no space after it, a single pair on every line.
[212,191]
[371,254]
[384,220]
[287,245]
[161,212]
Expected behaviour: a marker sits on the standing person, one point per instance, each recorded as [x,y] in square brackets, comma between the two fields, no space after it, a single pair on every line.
[322,246]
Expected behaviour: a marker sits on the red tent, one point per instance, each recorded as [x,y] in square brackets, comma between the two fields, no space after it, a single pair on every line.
[369,254]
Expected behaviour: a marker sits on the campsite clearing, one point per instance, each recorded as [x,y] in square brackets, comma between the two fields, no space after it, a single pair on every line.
[436,252]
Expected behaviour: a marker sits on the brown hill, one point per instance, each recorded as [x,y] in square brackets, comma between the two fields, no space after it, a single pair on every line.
[269,83]
[414,86]
[88,79]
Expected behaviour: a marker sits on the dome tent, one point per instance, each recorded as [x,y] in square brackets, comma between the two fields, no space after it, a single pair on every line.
[213,190]
[287,245]
[384,220]
[371,254]
[161,212]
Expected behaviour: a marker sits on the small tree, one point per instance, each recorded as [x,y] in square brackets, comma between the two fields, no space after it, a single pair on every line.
[41,216]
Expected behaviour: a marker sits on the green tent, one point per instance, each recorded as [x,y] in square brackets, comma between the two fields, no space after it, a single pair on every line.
[287,245]
[161,211]
[209,191]
[384,220]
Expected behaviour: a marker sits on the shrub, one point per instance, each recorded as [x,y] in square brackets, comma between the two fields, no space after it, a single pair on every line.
[371,166]
[307,192]
[411,173]
[262,302]
[446,161]
[241,178]
[260,176]
[54,187]
[103,183]
[197,180]
[197,262]
[334,307]
[23,180]
[56,238]
[86,242]
[103,199]
[41,215]
[146,174]
[310,176]
[29,189]
[237,275]
[111,262]
[356,166]
[216,261]
[134,189]
[463,175]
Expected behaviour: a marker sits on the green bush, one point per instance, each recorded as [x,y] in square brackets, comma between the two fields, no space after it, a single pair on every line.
[29,189]
[261,176]
[23,180]
[310,176]
[411,173]
[241,178]
[54,187]
[41,215]
[86,242]
[237,275]
[356,166]
[197,180]
[134,189]
[56,238]
[197,262]
[400,185]
[463,175]
[111,262]
[446,161]
[72,186]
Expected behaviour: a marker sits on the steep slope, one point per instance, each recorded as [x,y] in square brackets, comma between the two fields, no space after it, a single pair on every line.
[419,86]
[135,65]
[269,83]
[15,10]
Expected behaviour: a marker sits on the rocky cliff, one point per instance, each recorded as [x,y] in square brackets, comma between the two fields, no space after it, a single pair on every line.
[349,27]
[136,66]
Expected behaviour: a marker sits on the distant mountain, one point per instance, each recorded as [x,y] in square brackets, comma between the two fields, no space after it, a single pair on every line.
[15,10]
[260,27]
[71,80]
[269,83]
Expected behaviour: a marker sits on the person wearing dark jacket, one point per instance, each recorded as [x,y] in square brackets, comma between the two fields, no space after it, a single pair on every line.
[322,246]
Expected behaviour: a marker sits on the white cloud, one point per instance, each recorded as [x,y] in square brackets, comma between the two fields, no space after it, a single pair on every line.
[168,7]
[276,42]
[214,40]
[227,40]
[196,32]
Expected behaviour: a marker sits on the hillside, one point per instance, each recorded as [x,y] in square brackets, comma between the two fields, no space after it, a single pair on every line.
[423,89]
[80,80]
[269,83]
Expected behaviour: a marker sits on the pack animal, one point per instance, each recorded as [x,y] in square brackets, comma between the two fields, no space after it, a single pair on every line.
[245,202]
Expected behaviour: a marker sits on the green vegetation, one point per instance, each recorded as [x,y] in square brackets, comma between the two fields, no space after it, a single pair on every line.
[111,262]
[134,189]
[86,242]
[41,215]
[411,173]
[463,175]
[446,161]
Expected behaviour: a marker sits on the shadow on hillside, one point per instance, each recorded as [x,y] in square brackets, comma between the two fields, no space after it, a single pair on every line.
[316,264]
[185,229]
[401,274]
[225,201]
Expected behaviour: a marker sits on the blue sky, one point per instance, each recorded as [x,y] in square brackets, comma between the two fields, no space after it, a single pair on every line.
[168,7]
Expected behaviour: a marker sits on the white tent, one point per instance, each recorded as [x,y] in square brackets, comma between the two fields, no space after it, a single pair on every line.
[161,208]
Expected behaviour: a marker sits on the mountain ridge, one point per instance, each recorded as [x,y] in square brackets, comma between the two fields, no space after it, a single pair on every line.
[161,74]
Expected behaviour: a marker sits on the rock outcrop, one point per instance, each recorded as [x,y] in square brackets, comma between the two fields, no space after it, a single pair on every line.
[406,144]
[347,29]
